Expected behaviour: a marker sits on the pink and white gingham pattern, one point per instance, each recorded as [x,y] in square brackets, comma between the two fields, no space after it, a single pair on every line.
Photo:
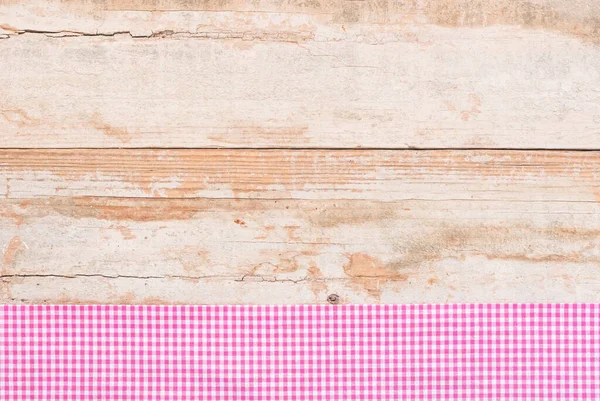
[366,352]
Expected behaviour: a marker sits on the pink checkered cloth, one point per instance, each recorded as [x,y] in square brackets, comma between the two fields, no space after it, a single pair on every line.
[400,352]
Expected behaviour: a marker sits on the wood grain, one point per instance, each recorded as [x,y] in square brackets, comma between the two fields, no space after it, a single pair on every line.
[117,250]
[302,174]
[294,74]
[278,151]
[294,226]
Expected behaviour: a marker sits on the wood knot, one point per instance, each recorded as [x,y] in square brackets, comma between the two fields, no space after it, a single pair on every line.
[333,299]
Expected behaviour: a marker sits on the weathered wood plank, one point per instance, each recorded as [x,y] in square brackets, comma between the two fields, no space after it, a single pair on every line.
[386,175]
[241,226]
[385,74]
[119,250]
[171,17]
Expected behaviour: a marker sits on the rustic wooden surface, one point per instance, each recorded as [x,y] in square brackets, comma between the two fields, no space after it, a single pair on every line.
[282,151]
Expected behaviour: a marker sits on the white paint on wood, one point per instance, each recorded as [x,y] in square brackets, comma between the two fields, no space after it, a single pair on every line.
[136,250]
[312,215]
[508,74]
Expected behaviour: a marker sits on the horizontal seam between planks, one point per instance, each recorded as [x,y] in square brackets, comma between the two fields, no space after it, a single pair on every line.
[379,148]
